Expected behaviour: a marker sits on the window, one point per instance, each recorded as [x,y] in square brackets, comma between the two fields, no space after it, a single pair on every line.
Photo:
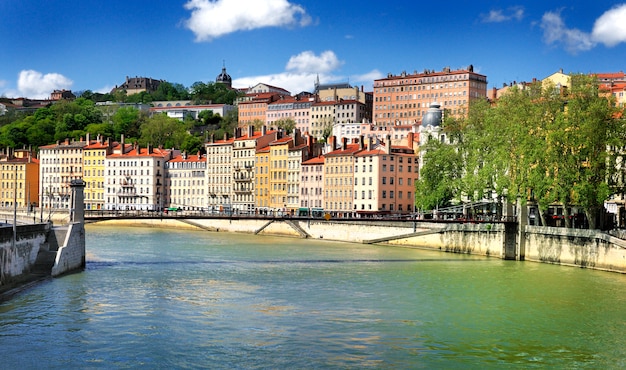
[384,194]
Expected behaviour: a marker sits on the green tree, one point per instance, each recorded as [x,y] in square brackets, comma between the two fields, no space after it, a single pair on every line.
[286,124]
[439,178]
[163,131]
[127,121]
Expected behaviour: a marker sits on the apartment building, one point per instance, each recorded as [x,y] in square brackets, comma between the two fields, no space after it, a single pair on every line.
[279,159]
[299,110]
[403,99]
[339,178]
[384,178]
[219,172]
[300,152]
[325,115]
[186,181]
[254,108]
[94,157]
[135,178]
[262,180]
[19,178]
[343,91]
[312,183]
[244,158]
[59,164]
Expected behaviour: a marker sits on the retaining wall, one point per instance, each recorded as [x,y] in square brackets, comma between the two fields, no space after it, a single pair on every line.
[17,260]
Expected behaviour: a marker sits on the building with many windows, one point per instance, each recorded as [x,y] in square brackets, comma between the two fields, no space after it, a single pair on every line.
[262,181]
[94,157]
[384,179]
[403,99]
[185,181]
[294,108]
[59,164]
[19,178]
[135,178]
[312,183]
[243,166]
[339,178]
[219,154]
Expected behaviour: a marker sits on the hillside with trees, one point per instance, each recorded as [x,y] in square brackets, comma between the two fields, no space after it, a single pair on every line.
[73,119]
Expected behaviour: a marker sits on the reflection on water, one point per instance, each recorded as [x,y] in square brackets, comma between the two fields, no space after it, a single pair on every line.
[162,299]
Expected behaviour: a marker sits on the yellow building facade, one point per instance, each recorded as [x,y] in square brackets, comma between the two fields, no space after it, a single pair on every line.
[19,178]
[279,159]
[94,156]
[262,180]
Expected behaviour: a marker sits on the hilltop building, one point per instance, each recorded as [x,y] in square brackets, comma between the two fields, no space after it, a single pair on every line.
[135,85]
[224,78]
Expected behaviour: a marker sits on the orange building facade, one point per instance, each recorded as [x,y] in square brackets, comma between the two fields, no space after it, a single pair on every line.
[403,99]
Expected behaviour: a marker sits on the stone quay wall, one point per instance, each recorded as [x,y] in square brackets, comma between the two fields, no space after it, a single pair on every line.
[482,239]
[575,247]
[17,261]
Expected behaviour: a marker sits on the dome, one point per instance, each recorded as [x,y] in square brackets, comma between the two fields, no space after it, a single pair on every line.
[433,116]
[224,78]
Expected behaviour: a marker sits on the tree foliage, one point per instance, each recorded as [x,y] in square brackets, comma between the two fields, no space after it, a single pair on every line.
[542,144]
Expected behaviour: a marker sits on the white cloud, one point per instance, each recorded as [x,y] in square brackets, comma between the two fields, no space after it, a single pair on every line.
[499,15]
[35,85]
[308,62]
[367,78]
[555,32]
[610,28]
[303,69]
[211,19]
[104,90]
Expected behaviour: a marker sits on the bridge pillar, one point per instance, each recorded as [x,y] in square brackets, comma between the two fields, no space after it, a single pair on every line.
[77,208]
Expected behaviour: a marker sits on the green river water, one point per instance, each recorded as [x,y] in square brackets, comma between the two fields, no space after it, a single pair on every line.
[153,298]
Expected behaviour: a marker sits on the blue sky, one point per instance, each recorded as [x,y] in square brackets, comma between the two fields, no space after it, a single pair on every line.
[80,45]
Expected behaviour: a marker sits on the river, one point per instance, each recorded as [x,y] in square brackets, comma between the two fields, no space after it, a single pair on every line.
[154,298]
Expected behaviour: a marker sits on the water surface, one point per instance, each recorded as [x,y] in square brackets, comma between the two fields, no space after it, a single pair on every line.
[153,298]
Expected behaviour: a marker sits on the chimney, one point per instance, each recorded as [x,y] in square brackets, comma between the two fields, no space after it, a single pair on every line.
[370,143]
[332,141]
[344,143]
[362,142]
[122,143]
[410,140]
[149,149]
[263,130]
[225,136]
[388,144]
[88,137]
[67,141]
[250,131]
[212,138]
[184,155]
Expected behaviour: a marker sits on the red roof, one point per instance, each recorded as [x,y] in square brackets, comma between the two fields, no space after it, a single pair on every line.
[190,158]
[313,161]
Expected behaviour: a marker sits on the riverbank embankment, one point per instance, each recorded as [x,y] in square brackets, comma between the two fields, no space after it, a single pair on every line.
[572,247]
